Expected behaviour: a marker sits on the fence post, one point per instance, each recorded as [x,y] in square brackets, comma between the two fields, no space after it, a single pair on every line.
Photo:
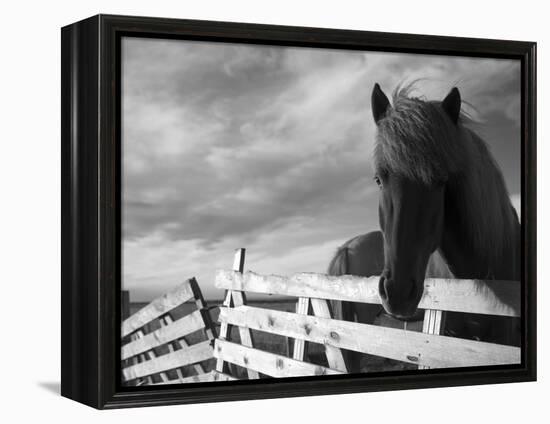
[299,351]
[334,355]
[235,298]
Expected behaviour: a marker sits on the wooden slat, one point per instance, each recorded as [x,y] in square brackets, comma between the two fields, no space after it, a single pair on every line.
[471,296]
[236,298]
[267,363]
[200,378]
[173,331]
[302,307]
[171,346]
[224,330]
[161,305]
[244,332]
[137,359]
[180,358]
[489,297]
[334,355]
[433,324]
[180,343]
[201,305]
[238,260]
[408,346]
[147,356]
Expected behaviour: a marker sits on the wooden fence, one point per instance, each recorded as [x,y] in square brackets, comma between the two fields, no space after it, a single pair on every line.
[156,347]
[427,349]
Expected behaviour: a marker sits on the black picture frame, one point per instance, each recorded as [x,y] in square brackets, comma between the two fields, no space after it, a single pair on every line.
[91,175]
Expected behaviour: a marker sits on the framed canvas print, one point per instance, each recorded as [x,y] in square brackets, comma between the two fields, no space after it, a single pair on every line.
[253,211]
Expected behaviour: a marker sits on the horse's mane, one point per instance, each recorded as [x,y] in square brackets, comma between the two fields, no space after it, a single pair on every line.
[416,139]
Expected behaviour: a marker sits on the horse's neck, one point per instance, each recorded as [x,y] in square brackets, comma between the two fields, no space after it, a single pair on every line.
[496,258]
[463,262]
[480,238]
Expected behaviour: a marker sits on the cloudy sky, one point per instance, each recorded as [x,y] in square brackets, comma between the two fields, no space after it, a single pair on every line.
[268,148]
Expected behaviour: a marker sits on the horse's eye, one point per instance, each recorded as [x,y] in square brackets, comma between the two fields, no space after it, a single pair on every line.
[378,180]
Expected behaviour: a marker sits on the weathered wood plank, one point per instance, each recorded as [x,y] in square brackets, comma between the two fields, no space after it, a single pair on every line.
[238,260]
[237,298]
[225,329]
[168,333]
[302,307]
[147,356]
[408,346]
[267,363]
[182,344]
[161,305]
[334,355]
[137,359]
[200,378]
[172,346]
[244,332]
[433,324]
[180,358]
[489,297]
[471,296]
[201,305]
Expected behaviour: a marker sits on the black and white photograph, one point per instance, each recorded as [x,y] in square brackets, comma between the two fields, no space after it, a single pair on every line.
[295,211]
[275,212]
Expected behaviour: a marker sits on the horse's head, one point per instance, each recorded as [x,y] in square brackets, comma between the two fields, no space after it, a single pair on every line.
[412,174]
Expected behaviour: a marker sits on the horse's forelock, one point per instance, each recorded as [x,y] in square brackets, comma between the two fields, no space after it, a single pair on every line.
[416,139]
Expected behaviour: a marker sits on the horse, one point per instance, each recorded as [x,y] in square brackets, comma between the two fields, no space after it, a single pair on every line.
[444,212]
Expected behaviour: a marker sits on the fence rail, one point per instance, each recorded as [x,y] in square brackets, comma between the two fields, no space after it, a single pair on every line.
[427,349]
[177,359]
[180,328]
[158,352]
[501,298]
[157,349]
[267,363]
[406,346]
[158,307]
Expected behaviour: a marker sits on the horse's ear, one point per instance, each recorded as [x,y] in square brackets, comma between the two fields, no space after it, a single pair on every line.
[379,102]
[451,104]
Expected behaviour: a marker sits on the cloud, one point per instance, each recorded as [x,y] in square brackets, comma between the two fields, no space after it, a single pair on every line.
[153,264]
[228,145]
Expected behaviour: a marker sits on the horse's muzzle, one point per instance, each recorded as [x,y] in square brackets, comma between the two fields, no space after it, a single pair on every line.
[399,299]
